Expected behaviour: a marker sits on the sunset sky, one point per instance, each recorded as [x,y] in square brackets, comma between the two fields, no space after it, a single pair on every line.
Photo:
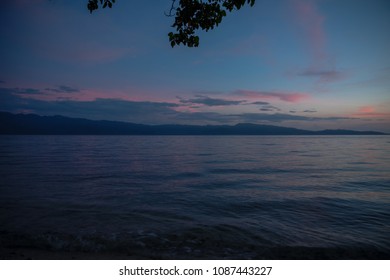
[311,64]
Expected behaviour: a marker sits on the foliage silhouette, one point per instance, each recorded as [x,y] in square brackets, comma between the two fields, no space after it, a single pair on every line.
[190,16]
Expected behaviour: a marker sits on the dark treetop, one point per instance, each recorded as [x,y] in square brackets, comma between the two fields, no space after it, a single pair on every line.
[190,16]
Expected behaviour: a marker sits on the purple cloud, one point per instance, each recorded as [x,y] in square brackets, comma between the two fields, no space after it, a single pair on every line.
[324,76]
[208,101]
[310,111]
[63,89]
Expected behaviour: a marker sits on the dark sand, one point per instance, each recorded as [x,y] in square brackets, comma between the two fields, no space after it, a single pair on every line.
[285,253]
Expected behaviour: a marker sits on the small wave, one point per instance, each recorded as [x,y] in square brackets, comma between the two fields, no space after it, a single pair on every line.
[186,175]
[359,162]
[255,171]
[231,171]
[205,154]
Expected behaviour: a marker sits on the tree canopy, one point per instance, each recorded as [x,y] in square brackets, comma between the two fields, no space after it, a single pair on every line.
[190,16]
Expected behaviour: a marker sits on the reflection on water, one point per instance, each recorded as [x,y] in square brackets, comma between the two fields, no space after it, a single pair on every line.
[196,197]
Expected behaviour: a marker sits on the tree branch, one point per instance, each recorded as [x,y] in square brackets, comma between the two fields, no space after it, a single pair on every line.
[173,8]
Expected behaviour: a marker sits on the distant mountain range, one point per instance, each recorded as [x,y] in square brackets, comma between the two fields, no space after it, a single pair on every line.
[58,125]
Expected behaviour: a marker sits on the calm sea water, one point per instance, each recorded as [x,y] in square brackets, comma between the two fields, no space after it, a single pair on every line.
[197,196]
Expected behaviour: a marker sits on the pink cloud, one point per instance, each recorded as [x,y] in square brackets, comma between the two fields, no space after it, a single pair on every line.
[312,24]
[370,112]
[293,97]
[366,109]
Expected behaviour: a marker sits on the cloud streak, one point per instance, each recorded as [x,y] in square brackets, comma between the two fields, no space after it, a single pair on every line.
[208,101]
[64,92]
[293,97]
[63,89]
[323,76]
[278,118]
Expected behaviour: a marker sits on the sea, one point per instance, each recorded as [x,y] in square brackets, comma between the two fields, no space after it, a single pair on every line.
[197,197]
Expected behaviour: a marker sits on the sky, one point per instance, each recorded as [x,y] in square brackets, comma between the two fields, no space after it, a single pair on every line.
[309,64]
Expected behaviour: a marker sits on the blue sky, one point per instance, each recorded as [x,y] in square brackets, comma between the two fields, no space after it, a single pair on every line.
[310,64]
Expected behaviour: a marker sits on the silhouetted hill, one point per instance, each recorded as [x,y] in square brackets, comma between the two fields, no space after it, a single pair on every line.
[59,125]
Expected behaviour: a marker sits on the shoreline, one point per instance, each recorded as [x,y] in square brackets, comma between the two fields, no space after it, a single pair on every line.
[38,254]
[282,253]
